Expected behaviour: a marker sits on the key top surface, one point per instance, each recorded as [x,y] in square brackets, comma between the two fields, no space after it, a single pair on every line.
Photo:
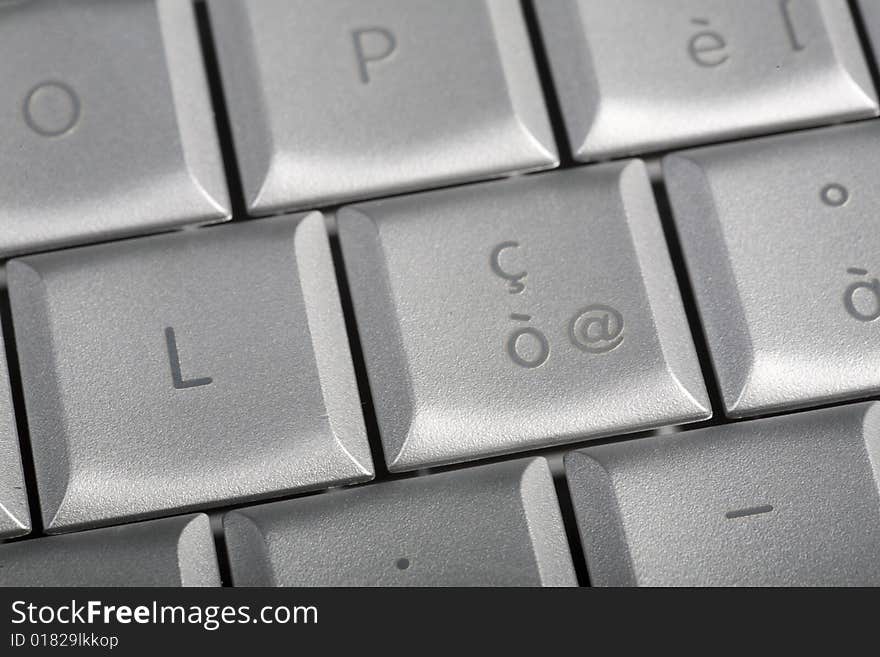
[517,314]
[186,369]
[788,500]
[495,525]
[637,76]
[105,121]
[168,552]
[346,99]
[14,516]
[782,250]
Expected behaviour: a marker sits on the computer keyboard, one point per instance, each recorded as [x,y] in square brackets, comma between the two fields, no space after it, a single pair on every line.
[645,357]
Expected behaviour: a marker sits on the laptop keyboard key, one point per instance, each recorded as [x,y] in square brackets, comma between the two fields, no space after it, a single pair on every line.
[636,76]
[495,525]
[787,501]
[344,99]
[167,552]
[186,369]
[518,314]
[781,243]
[106,123]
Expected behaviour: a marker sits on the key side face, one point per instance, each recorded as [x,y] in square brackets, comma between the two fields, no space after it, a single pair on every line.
[780,243]
[168,552]
[639,76]
[387,96]
[249,393]
[518,314]
[495,525]
[106,123]
[779,501]
[14,513]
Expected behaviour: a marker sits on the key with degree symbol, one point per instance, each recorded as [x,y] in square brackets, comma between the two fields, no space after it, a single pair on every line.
[781,243]
[518,314]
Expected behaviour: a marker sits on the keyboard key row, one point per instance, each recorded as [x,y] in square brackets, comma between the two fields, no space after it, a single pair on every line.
[109,123]
[789,500]
[196,369]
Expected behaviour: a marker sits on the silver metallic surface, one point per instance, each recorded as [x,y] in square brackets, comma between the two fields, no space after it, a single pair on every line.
[495,525]
[781,243]
[168,552]
[781,501]
[333,101]
[636,76]
[185,370]
[105,123]
[14,516]
[518,314]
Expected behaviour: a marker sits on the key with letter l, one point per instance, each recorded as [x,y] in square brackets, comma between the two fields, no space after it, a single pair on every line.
[635,76]
[105,123]
[343,99]
[495,525]
[186,369]
[781,243]
[518,314]
[168,552]
[789,500]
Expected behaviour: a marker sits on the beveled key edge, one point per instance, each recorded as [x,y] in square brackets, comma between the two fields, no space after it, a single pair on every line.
[193,110]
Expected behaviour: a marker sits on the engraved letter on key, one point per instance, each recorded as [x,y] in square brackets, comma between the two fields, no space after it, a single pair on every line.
[372,44]
[174,359]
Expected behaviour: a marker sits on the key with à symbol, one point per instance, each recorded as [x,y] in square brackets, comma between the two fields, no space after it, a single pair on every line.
[638,76]
[494,525]
[186,369]
[518,314]
[781,244]
[785,501]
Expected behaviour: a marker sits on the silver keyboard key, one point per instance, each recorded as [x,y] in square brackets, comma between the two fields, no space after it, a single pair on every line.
[637,76]
[14,515]
[106,123]
[496,525]
[345,99]
[168,552]
[518,314]
[780,238]
[186,369]
[788,500]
